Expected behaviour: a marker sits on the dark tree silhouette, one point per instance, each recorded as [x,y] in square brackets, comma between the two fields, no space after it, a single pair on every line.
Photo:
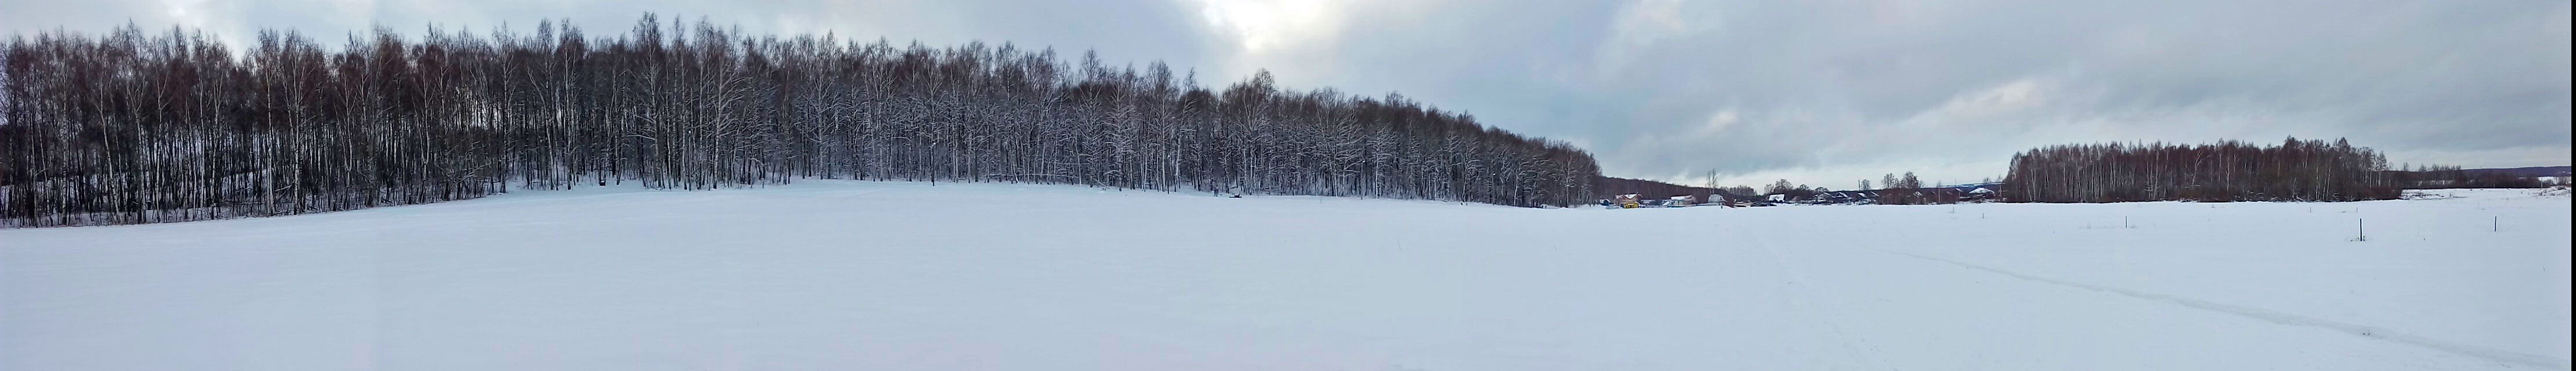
[131,127]
[1906,190]
[1605,187]
[2445,177]
[2296,170]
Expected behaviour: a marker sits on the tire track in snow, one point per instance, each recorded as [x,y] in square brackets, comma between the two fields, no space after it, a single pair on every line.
[2498,355]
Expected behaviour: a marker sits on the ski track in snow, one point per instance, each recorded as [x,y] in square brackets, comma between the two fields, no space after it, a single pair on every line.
[1832,320]
[2497,355]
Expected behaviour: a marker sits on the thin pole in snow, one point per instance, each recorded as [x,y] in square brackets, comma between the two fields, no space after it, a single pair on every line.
[2495,224]
[2357,234]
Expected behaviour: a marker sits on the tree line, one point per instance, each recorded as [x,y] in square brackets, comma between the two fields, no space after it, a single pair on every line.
[130,127]
[1607,187]
[1906,190]
[2446,177]
[2295,170]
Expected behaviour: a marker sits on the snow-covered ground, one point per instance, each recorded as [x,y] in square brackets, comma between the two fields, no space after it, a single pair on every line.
[877,276]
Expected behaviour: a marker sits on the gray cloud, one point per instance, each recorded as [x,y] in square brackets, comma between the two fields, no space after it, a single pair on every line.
[1823,93]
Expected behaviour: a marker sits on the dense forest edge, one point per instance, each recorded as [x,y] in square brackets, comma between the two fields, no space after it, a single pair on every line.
[2295,170]
[135,127]
[1607,187]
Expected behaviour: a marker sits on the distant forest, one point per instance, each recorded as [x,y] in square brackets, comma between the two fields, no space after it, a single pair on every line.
[1607,187]
[130,127]
[2295,170]
[2440,177]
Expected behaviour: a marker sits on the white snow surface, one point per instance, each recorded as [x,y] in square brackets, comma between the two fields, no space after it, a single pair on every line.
[912,276]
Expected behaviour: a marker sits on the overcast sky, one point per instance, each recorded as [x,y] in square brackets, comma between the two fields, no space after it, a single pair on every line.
[1819,92]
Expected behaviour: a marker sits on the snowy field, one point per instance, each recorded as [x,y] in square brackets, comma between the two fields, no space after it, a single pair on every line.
[910,276]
